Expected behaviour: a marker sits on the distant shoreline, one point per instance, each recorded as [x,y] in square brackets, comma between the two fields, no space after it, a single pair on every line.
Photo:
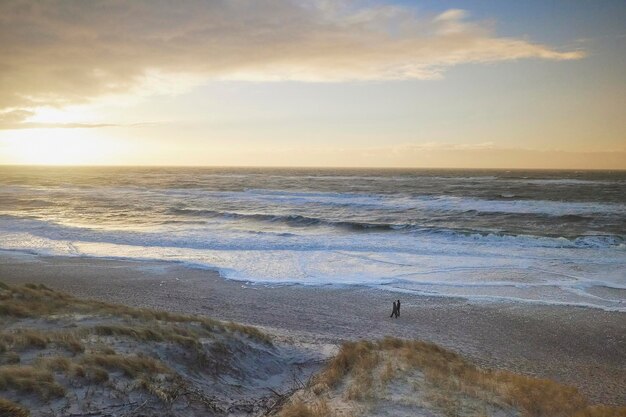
[399,291]
[321,168]
[576,346]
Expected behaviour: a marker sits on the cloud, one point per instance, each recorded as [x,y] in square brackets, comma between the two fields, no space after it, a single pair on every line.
[38,125]
[14,117]
[63,52]
[17,119]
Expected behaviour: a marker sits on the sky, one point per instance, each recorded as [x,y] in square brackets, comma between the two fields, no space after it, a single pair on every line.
[345,83]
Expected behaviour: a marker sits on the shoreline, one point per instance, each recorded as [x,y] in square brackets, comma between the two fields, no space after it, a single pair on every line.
[578,346]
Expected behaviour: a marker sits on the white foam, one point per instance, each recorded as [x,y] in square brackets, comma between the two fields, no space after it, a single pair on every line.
[434,265]
[320,238]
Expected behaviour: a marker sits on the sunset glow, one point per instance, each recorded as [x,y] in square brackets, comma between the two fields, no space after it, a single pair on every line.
[386,83]
[313,208]
[59,147]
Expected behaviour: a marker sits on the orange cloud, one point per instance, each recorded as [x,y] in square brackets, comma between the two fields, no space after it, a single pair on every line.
[62,52]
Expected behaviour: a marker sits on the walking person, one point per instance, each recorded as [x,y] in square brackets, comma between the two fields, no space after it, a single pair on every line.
[398,309]
[394,312]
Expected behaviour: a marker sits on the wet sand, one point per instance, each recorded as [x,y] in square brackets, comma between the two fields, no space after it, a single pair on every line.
[577,346]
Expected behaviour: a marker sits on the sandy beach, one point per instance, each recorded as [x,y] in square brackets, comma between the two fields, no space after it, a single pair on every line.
[215,208]
[582,347]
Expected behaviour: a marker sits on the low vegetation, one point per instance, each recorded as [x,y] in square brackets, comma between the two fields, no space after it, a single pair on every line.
[36,301]
[364,374]
[30,380]
[11,409]
[52,344]
[55,348]
[299,409]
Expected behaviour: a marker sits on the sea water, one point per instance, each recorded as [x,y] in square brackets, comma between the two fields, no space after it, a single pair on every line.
[549,237]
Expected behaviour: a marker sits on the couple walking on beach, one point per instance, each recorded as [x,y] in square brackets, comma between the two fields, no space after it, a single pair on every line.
[396,309]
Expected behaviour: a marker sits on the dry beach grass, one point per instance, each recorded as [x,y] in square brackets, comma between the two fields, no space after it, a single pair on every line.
[61,355]
[57,352]
[580,347]
[365,377]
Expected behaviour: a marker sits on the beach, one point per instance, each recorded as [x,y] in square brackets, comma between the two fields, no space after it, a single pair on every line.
[312,209]
[582,347]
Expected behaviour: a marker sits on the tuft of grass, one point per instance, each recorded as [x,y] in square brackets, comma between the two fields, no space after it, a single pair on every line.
[357,357]
[96,374]
[32,339]
[156,387]
[54,363]
[105,350]
[29,379]
[300,409]
[538,397]
[174,334]
[602,411]
[11,409]
[387,373]
[67,340]
[36,339]
[37,287]
[137,333]
[24,339]
[251,332]
[14,311]
[132,366]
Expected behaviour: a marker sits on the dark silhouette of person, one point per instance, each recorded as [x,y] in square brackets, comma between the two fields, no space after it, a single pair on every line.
[394,312]
[398,309]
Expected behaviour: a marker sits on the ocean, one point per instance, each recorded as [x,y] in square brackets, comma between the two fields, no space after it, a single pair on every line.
[542,237]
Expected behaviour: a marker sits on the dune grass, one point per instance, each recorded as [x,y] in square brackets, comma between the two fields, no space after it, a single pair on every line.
[300,409]
[11,409]
[360,371]
[37,301]
[26,339]
[132,366]
[39,378]
[30,380]
[362,368]
[51,342]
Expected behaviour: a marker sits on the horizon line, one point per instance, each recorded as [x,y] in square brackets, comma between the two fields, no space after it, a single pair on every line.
[306,167]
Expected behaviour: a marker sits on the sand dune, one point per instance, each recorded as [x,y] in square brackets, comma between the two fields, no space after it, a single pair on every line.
[65,356]
[400,378]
